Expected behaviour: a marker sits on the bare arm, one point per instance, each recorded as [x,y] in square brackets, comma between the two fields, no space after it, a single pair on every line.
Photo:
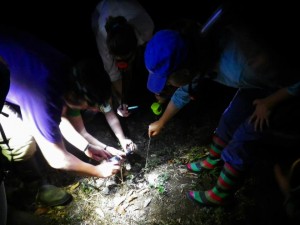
[74,131]
[59,158]
[263,107]
[115,125]
[169,113]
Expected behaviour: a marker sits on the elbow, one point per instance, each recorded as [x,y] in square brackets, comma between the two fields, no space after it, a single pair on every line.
[59,162]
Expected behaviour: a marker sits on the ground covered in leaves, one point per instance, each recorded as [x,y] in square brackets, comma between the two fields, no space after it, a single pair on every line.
[151,189]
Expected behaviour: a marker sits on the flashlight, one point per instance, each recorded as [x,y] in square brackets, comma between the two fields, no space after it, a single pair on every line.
[131,108]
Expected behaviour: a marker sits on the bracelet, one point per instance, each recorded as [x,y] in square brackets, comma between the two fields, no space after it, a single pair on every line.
[86,148]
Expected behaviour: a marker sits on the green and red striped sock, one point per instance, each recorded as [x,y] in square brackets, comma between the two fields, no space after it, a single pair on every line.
[212,160]
[222,191]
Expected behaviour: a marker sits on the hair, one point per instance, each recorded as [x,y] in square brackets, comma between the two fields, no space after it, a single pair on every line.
[121,39]
[88,82]
[204,50]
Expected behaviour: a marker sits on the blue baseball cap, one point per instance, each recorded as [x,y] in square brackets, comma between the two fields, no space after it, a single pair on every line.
[165,53]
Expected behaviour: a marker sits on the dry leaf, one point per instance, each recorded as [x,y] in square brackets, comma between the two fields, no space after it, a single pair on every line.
[120,209]
[132,197]
[147,202]
[130,193]
[143,191]
[74,186]
[119,200]
[41,210]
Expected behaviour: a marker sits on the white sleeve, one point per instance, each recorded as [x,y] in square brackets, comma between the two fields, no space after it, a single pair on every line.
[108,61]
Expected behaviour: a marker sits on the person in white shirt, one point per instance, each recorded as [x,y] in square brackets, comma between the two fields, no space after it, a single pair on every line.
[121,28]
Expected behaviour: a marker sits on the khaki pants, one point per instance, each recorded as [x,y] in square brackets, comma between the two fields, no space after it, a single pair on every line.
[22,145]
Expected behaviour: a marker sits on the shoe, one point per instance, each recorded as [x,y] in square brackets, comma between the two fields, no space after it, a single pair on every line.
[50,195]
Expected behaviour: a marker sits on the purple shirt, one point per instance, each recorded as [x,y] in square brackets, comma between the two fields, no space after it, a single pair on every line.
[37,81]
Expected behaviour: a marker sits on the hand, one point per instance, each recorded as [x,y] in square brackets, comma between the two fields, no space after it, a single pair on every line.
[97,153]
[154,128]
[123,110]
[114,151]
[128,145]
[160,99]
[107,169]
[261,114]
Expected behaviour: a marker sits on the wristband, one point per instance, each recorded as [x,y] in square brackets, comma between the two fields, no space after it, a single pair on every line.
[86,148]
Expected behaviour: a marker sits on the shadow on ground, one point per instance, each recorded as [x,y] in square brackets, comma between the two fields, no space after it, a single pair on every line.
[152,185]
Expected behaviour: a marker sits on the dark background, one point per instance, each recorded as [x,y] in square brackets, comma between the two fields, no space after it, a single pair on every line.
[66,24]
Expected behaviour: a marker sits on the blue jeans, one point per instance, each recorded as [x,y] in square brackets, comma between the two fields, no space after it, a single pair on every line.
[234,129]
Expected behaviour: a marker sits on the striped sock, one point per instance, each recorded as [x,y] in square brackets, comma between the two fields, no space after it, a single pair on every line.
[212,160]
[222,191]
[214,156]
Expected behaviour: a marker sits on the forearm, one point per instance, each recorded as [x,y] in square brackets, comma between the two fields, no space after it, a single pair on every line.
[59,158]
[117,86]
[278,97]
[79,138]
[114,124]
[92,140]
[169,113]
[72,135]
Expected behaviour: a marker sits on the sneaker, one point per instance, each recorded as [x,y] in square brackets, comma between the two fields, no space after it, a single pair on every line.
[50,195]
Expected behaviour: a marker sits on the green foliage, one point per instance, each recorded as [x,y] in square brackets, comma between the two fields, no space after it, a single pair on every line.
[161,182]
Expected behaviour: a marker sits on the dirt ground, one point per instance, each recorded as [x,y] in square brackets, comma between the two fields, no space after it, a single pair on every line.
[153,190]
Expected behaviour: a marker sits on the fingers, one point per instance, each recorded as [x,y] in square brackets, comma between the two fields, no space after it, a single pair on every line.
[150,131]
[261,125]
[123,110]
[97,158]
[130,147]
[267,122]
[116,169]
[107,154]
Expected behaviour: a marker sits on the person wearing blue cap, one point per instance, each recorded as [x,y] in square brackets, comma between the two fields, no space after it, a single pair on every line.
[230,57]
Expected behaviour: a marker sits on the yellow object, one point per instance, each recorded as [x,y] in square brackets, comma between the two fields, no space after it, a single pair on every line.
[156,108]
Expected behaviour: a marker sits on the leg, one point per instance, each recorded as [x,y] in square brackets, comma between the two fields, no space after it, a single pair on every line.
[221,193]
[237,156]
[234,128]
[3,204]
[236,113]
[212,160]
